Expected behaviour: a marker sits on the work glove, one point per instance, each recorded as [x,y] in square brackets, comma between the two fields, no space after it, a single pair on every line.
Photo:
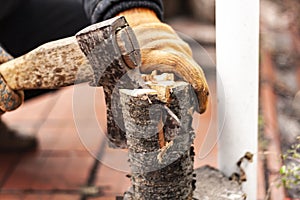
[9,99]
[163,50]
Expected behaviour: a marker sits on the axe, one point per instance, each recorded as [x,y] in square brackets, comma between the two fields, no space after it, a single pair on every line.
[103,53]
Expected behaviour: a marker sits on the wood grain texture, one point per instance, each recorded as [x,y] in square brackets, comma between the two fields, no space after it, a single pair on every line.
[160,172]
[52,65]
[9,99]
[99,44]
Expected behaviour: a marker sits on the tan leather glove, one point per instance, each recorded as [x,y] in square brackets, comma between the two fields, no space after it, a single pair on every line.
[163,50]
[9,99]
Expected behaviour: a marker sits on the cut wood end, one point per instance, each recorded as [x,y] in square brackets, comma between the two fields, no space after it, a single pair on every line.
[160,85]
[164,88]
[153,77]
[138,92]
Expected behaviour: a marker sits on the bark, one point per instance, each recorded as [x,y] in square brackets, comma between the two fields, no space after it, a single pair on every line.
[99,44]
[52,65]
[9,99]
[100,52]
[4,56]
[160,172]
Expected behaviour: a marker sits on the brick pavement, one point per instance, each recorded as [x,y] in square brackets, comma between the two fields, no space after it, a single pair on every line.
[65,166]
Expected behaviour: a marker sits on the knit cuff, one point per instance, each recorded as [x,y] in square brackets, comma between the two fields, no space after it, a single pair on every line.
[106,9]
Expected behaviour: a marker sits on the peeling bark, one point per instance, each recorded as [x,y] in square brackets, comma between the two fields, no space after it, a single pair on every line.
[111,66]
[160,172]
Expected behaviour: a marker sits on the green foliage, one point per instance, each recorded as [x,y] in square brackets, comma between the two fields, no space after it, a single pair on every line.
[290,172]
[262,141]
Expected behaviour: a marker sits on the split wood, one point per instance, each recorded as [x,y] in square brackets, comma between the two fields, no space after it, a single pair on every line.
[159,133]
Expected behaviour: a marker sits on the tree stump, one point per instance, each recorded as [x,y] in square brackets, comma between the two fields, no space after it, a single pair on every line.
[159,133]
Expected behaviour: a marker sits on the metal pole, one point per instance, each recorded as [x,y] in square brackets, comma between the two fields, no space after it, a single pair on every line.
[237,32]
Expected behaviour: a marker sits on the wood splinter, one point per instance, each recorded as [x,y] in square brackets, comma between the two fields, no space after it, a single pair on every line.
[159,133]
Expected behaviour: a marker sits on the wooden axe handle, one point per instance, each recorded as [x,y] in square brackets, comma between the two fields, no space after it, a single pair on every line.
[52,65]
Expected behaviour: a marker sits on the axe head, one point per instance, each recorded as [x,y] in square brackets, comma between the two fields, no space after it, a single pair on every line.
[113,51]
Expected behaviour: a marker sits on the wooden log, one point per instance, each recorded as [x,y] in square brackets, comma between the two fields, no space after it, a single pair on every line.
[112,70]
[9,99]
[52,65]
[160,172]
[4,56]
[61,62]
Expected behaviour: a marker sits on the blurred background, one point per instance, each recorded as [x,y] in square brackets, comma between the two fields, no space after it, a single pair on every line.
[73,160]
[280,97]
[279,114]
[67,166]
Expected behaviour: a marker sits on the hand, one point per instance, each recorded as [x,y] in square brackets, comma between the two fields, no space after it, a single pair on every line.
[163,50]
[9,99]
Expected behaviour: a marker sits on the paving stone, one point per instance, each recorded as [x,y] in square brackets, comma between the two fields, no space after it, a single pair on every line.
[50,170]
[67,147]
[115,182]
[36,109]
[7,163]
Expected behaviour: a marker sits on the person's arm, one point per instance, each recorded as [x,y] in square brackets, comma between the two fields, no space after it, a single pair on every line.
[99,10]
[7,7]
[161,48]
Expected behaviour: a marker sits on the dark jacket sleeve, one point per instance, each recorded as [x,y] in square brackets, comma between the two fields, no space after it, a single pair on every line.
[7,7]
[99,10]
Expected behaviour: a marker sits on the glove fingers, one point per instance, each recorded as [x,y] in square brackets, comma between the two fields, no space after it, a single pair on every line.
[181,65]
[163,50]
[159,36]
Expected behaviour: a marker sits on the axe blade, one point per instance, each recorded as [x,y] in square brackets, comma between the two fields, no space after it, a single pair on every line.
[112,50]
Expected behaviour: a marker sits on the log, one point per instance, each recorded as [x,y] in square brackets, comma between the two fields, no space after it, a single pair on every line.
[160,171]
[112,71]
[62,63]
[9,99]
[52,65]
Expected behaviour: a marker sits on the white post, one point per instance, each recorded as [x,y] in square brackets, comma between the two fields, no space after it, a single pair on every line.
[237,32]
